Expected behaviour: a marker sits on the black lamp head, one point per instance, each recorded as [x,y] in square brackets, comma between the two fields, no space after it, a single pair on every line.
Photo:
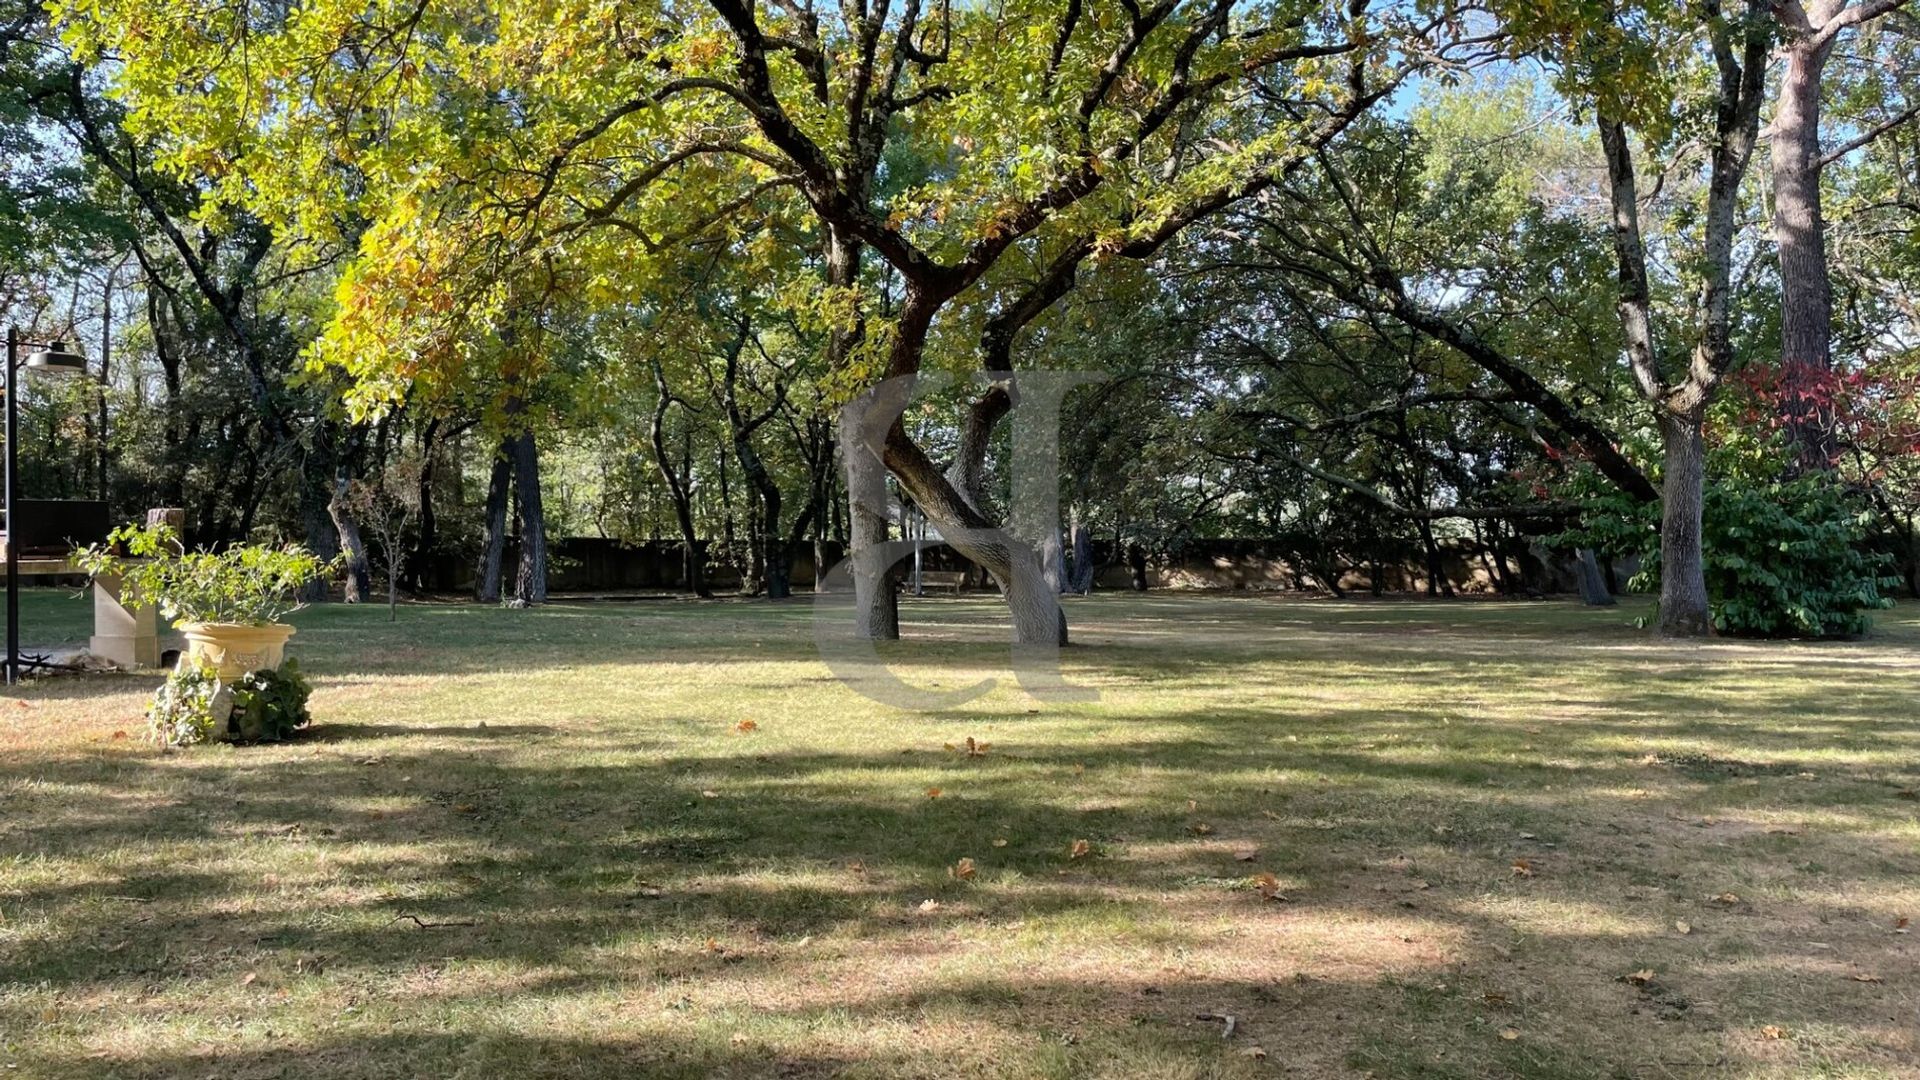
[56,359]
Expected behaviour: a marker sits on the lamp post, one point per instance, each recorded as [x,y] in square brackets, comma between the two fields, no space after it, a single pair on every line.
[54,358]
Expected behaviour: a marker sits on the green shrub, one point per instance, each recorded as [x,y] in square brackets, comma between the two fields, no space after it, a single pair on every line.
[269,705]
[1786,556]
[193,705]
[247,583]
[189,707]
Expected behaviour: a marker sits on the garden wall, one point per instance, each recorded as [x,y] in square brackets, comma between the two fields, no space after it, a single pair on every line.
[595,564]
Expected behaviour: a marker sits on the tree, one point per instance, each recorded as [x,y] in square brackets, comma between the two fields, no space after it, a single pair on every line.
[1811,28]
[1634,66]
[652,126]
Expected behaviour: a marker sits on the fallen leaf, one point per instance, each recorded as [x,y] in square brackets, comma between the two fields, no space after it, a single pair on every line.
[1528,836]
[1773,1031]
[1246,854]
[1192,806]
[1268,885]
[709,794]
[1254,1052]
[1522,868]
[999,841]
[1638,978]
[1727,898]
[1200,828]
[465,808]
[249,978]
[746,727]
[1683,926]
[1901,924]
[1080,850]
[962,870]
[714,946]
[118,736]
[929,905]
[1496,999]
[1865,977]
[933,793]
[1509,1034]
[857,866]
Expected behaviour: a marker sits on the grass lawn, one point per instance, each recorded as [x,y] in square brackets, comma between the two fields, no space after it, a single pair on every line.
[1509,840]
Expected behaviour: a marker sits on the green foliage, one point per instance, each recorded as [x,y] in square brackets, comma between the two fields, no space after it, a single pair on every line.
[252,584]
[269,705]
[193,705]
[1786,555]
[189,707]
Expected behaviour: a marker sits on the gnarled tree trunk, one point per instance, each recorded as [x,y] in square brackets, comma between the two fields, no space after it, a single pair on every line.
[359,583]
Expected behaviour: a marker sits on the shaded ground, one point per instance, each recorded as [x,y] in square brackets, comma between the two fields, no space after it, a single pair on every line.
[537,844]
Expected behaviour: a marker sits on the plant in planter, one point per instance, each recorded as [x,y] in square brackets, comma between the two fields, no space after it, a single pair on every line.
[228,603]
[195,705]
[232,683]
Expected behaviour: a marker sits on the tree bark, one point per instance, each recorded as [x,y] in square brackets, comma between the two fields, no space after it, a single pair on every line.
[427,536]
[530,583]
[1799,228]
[359,582]
[1683,584]
[493,545]
[876,607]
[1080,544]
[1592,583]
[1806,295]
[1053,561]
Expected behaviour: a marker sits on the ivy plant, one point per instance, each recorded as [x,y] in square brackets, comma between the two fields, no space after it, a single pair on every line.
[194,705]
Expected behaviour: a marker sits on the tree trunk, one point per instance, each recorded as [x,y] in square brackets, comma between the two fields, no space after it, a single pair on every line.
[1053,561]
[1437,583]
[1592,583]
[1683,575]
[530,583]
[876,608]
[1081,546]
[316,517]
[1137,563]
[1806,295]
[427,535]
[359,583]
[693,571]
[493,545]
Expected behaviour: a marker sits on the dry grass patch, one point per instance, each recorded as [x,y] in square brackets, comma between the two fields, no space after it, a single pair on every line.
[656,838]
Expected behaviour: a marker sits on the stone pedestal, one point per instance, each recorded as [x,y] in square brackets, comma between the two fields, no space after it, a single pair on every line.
[129,637]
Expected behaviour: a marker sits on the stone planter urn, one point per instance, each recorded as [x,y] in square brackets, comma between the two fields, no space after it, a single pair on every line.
[233,649]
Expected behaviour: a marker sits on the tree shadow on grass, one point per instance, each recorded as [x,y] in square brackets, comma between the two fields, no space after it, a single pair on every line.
[596,874]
